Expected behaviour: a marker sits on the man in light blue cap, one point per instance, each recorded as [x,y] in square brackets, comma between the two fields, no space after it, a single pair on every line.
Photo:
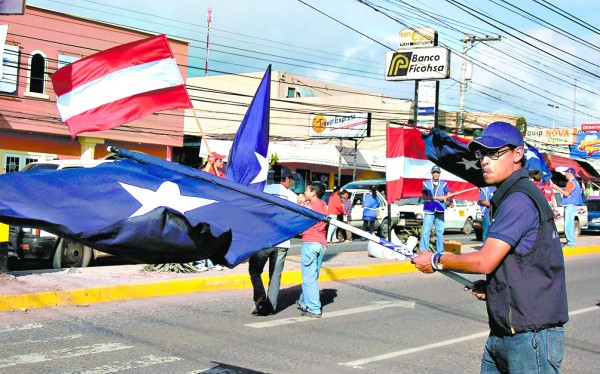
[525,289]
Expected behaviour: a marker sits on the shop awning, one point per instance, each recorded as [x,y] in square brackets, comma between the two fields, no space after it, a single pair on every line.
[554,161]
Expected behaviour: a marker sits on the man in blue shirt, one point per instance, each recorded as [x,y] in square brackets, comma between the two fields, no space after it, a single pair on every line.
[434,196]
[485,195]
[571,199]
[525,289]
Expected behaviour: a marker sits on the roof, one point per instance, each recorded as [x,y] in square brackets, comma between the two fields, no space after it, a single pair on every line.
[555,161]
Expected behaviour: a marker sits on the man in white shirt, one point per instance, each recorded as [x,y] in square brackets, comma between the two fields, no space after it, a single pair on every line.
[265,304]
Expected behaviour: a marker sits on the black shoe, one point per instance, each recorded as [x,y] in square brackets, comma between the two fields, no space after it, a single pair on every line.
[263,307]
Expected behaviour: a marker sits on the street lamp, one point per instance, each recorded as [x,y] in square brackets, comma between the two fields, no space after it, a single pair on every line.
[553,110]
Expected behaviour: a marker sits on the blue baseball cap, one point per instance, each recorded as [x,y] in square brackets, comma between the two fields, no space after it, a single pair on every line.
[497,135]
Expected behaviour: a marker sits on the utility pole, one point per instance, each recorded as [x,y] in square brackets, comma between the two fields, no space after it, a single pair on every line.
[208,21]
[461,110]
[554,106]
[574,102]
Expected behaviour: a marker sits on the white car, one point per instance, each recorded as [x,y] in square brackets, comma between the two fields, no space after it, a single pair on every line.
[458,216]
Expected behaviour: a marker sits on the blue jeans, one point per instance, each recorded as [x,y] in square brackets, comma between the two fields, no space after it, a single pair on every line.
[429,220]
[312,259]
[485,222]
[528,352]
[570,212]
[256,264]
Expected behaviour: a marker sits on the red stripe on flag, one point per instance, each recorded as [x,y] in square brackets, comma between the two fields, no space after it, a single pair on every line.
[109,61]
[129,109]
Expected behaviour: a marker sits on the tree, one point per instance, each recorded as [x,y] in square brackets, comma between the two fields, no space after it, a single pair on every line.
[521,124]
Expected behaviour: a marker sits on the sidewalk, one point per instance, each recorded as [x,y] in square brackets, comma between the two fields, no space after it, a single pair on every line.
[23,290]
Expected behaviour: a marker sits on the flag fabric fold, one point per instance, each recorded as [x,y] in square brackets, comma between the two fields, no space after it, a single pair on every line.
[151,210]
[535,161]
[119,85]
[247,161]
[411,155]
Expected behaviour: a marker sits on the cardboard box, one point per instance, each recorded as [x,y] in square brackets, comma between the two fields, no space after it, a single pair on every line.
[452,246]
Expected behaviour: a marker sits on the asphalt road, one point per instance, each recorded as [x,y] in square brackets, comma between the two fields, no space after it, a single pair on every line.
[409,323]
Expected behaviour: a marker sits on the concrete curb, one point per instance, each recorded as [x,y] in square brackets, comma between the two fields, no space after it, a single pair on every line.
[103,294]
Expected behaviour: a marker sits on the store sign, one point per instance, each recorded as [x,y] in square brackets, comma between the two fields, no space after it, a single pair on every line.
[418,37]
[590,127]
[12,7]
[587,145]
[416,64]
[427,103]
[558,136]
[343,125]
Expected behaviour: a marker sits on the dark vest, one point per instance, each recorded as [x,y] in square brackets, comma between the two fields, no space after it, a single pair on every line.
[528,292]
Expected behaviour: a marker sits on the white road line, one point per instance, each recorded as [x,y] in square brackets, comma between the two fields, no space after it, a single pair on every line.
[358,363]
[362,309]
[49,340]
[31,358]
[29,326]
[142,362]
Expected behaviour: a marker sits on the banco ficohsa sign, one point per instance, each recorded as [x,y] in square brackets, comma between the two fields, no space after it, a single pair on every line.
[418,63]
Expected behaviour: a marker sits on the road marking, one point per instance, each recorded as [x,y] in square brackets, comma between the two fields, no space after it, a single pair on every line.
[29,326]
[377,306]
[357,363]
[142,362]
[49,340]
[31,358]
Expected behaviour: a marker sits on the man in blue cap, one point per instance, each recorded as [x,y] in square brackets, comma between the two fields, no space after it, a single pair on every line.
[435,192]
[571,198]
[524,290]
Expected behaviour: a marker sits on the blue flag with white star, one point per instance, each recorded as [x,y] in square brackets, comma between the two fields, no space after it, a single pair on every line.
[152,211]
[247,162]
[535,161]
[453,155]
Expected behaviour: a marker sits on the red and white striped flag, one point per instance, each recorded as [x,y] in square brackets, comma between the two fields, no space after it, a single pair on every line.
[119,85]
[407,167]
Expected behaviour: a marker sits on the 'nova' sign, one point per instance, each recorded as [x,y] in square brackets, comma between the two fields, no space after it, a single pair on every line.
[560,135]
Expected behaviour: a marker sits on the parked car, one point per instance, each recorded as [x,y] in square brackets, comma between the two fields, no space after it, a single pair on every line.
[32,244]
[593,207]
[458,216]
[358,195]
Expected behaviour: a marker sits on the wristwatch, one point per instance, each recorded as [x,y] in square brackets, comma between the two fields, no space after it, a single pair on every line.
[437,264]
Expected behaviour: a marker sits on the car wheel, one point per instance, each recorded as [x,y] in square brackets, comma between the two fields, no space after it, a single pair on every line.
[478,235]
[468,227]
[70,254]
[577,228]
[383,229]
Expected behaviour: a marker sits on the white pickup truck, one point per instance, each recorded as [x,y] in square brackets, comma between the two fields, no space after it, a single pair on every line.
[458,216]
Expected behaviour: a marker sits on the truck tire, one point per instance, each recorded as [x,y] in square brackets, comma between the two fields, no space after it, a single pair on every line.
[577,228]
[468,227]
[70,254]
[383,229]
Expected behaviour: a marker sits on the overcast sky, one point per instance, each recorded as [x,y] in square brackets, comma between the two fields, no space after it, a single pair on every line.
[345,41]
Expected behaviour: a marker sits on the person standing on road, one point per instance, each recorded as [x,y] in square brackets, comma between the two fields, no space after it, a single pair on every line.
[571,198]
[334,210]
[434,196]
[370,204]
[264,303]
[347,218]
[314,245]
[485,195]
[546,188]
[525,289]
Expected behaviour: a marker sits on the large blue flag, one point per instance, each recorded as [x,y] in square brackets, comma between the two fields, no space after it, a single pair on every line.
[247,162]
[452,154]
[535,161]
[151,210]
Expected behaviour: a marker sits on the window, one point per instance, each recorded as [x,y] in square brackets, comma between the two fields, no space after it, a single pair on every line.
[14,162]
[291,92]
[36,76]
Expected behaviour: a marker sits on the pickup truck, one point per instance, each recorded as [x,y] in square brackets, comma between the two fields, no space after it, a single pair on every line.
[32,244]
[458,216]
[581,219]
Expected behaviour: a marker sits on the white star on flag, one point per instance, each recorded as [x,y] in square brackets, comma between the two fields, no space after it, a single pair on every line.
[168,195]
[469,164]
[264,169]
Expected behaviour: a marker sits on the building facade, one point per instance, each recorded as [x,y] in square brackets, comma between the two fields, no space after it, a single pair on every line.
[40,42]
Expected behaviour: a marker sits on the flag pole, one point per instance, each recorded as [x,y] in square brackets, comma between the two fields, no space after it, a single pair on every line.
[204,139]
[450,195]
[402,249]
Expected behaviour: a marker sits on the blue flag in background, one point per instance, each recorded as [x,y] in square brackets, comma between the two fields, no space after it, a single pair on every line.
[535,161]
[151,211]
[247,163]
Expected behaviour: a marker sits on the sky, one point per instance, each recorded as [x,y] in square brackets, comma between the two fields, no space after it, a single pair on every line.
[533,71]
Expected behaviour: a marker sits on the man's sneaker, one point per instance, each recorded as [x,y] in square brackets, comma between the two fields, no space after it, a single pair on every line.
[201,268]
[302,308]
[217,267]
[308,314]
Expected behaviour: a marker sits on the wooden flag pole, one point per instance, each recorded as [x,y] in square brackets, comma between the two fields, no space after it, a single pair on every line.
[451,195]
[204,140]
